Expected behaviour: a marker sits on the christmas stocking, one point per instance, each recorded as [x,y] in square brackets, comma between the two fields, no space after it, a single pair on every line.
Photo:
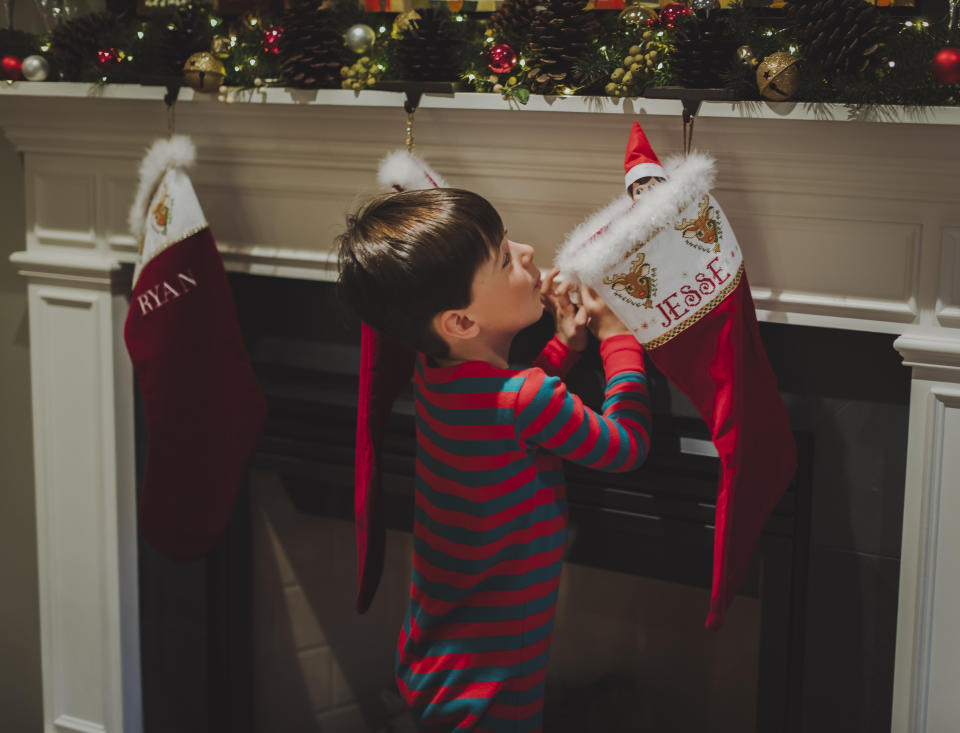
[386,367]
[204,409]
[667,263]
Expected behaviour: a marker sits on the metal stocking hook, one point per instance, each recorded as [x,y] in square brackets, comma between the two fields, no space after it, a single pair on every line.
[691,107]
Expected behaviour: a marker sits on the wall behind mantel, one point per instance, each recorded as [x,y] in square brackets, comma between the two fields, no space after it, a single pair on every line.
[21,696]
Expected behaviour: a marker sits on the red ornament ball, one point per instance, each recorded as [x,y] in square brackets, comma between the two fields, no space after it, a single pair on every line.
[107,57]
[946,66]
[673,13]
[271,39]
[10,67]
[501,58]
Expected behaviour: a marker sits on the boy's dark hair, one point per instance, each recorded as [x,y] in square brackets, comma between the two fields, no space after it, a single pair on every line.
[405,257]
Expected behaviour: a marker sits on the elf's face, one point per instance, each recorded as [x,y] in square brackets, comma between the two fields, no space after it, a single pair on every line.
[643,184]
[506,291]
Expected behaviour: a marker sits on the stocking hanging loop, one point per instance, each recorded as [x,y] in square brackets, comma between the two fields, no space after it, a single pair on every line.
[410,105]
[170,99]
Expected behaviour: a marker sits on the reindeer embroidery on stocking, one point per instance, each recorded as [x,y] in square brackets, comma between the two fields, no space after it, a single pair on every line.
[703,229]
[161,213]
[639,283]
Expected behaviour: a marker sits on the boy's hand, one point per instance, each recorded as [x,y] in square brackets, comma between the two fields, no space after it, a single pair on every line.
[602,321]
[570,320]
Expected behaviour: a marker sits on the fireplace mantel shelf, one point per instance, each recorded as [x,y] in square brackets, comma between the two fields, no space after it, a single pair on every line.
[827,112]
[848,219]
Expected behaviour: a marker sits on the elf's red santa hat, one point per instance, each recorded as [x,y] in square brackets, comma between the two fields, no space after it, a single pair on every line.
[640,159]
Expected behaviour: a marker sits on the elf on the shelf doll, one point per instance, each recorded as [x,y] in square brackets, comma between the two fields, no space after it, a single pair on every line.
[665,259]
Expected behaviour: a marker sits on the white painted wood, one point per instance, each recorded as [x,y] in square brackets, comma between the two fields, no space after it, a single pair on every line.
[486,102]
[86,523]
[848,219]
[68,724]
[928,649]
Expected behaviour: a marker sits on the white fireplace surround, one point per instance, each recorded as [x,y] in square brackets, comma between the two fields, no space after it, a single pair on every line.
[844,223]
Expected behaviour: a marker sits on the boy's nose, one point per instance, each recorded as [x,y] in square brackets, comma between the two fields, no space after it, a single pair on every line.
[526,253]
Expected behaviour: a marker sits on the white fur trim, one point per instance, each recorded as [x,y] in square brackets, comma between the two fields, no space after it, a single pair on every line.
[175,152]
[402,170]
[606,237]
[644,169]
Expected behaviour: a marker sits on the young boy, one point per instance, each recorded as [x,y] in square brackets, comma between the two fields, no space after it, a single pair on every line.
[435,269]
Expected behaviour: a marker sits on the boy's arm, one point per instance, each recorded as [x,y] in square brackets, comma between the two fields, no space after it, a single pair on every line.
[557,358]
[615,440]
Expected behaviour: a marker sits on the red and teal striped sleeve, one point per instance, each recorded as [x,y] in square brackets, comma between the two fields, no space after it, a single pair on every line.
[557,358]
[615,440]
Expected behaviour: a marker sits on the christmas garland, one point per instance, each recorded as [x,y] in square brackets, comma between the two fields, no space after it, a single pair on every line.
[817,51]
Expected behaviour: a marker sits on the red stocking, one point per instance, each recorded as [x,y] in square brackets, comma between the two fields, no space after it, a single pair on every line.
[719,362]
[204,410]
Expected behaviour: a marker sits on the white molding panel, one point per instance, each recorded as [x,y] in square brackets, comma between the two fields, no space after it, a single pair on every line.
[83,460]
[63,208]
[948,299]
[832,267]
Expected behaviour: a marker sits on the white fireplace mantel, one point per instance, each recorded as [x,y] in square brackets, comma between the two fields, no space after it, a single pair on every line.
[847,221]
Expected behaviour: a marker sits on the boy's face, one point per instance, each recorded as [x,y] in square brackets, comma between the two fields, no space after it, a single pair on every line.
[506,290]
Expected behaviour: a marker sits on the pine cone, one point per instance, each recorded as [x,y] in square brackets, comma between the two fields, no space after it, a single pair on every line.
[841,35]
[705,49]
[511,22]
[559,35]
[311,49]
[425,49]
[74,43]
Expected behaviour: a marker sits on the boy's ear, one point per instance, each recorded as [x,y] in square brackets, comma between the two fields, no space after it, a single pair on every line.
[455,325]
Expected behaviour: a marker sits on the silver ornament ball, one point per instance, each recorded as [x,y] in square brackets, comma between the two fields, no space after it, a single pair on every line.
[359,37]
[35,68]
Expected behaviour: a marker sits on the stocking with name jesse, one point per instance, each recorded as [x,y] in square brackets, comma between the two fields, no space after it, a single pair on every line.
[204,409]
[664,257]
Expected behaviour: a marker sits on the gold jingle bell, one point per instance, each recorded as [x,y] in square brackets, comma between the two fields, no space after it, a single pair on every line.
[745,56]
[204,72]
[778,76]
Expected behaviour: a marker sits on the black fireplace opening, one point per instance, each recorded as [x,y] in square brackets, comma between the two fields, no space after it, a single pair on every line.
[824,576]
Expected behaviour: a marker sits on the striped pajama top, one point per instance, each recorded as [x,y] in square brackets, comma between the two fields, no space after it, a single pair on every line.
[490,524]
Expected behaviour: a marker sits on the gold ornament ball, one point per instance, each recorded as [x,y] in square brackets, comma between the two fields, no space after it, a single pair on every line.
[204,72]
[637,16]
[746,57]
[778,76]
